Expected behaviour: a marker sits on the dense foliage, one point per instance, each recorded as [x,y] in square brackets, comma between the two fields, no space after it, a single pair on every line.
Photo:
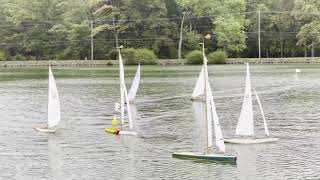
[145,56]
[133,56]
[217,57]
[194,57]
[128,56]
[62,29]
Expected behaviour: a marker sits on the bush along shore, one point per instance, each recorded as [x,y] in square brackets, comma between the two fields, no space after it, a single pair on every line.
[163,62]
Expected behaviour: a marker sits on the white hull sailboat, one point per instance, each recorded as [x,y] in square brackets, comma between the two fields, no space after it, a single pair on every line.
[245,125]
[124,100]
[211,115]
[250,141]
[135,86]
[45,129]
[54,115]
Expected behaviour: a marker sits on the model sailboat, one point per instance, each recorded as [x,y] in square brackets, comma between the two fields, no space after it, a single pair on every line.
[199,89]
[211,115]
[54,115]
[124,100]
[297,72]
[245,125]
[135,86]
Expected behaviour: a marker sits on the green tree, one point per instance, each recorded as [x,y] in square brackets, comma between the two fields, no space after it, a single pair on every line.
[36,24]
[309,33]
[230,34]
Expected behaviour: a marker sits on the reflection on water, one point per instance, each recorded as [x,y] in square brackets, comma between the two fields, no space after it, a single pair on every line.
[199,128]
[55,153]
[127,155]
[165,119]
[247,157]
[135,117]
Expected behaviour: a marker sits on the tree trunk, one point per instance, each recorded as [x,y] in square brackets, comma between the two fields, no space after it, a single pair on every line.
[115,32]
[37,54]
[305,52]
[181,36]
[190,24]
[91,38]
[281,45]
[312,49]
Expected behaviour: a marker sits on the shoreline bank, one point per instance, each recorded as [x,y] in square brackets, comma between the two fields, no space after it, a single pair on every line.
[162,62]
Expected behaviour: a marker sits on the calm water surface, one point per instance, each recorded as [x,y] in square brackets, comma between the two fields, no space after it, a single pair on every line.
[166,120]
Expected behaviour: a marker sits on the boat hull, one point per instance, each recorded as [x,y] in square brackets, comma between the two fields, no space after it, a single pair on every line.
[211,157]
[45,130]
[198,98]
[120,132]
[112,131]
[250,141]
[130,133]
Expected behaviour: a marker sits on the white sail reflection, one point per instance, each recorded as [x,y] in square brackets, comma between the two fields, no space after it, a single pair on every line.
[55,153]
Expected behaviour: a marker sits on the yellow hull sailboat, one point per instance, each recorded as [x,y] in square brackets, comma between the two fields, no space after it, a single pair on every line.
[124,100]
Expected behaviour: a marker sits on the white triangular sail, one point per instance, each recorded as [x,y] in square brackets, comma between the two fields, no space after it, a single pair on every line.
[123,95]
[199,90]
[217,129]
[212,114]
[262,113]
[135,85]
[54,115]
[245,123]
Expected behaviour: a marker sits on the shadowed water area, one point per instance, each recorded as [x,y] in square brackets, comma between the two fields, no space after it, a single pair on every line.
[166,120]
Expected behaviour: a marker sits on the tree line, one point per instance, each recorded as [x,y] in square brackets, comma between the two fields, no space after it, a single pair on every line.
[64,29]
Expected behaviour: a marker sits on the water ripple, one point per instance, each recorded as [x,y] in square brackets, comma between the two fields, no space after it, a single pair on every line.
[166,120]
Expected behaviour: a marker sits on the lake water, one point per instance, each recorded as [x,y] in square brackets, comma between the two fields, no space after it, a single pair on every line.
[166,120]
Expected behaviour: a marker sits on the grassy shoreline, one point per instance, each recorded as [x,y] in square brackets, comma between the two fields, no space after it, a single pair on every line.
[163,62]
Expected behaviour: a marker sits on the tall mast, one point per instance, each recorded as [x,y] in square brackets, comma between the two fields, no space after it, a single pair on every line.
[121,78]
[205,95]
[259,35]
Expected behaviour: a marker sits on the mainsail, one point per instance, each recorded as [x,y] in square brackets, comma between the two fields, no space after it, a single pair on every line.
[211,113]
[123,94]
[245,123]
[199,90]
[262,113]
[54,115]
[135,85]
